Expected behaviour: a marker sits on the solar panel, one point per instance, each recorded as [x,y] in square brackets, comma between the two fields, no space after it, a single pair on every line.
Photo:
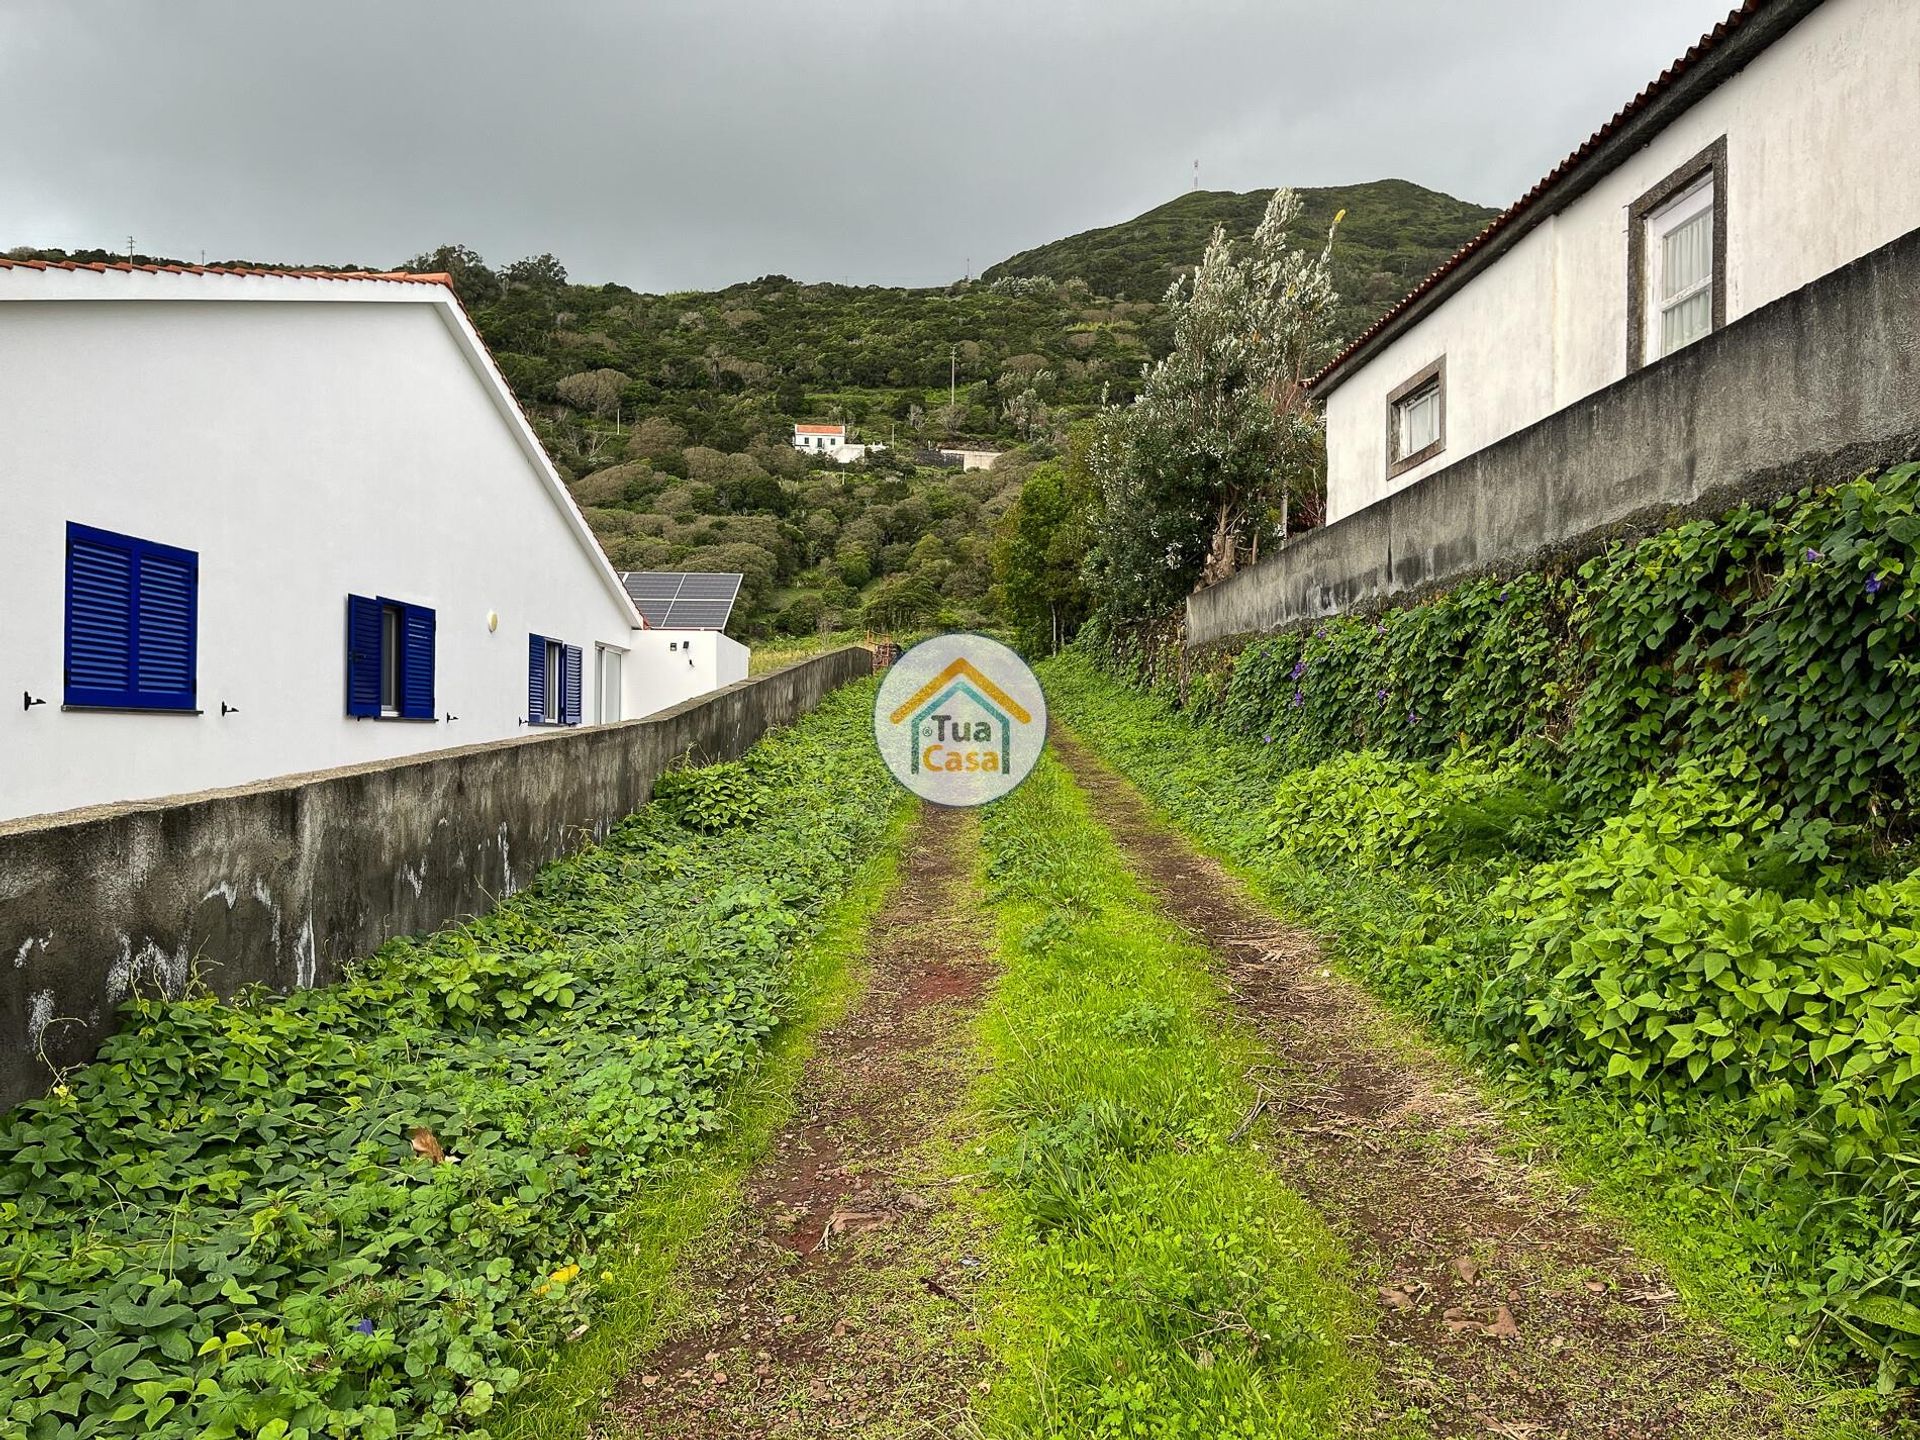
[683,600]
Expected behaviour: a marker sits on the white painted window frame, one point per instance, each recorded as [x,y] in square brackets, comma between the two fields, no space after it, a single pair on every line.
[1696,200]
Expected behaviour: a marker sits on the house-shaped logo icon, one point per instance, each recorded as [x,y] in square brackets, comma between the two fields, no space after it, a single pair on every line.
[961,680]
[956,720]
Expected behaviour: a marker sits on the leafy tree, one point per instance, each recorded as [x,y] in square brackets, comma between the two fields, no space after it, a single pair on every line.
[1194,470]
[901,602]
[473,282]
[1038,547]
[595,391]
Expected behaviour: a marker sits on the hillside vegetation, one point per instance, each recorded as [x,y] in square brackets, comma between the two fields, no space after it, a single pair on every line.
[1395,233]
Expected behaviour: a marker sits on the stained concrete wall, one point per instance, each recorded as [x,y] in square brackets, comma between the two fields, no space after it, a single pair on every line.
[1822,384]
[283,882]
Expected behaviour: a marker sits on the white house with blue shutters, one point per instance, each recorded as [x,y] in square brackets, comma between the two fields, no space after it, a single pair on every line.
[258,524]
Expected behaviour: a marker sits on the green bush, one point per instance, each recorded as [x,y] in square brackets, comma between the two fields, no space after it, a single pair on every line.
[711,798]
[371,1210]
[1364,808]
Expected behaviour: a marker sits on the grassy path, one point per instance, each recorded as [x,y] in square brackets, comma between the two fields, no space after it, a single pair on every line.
[1504,1308]
[1087,1143]
[1153,1276]
[832,1298]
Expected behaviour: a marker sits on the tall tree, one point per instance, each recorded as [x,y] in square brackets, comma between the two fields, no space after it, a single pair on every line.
[1199,469]
[1038,545]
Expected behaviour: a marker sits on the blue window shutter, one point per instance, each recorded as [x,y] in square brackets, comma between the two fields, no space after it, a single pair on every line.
[363,655]
[536,679]
[165,626]
[570,685]
[99,621]
[416,664]
[132,622]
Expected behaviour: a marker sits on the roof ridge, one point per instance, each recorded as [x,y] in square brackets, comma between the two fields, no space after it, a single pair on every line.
[127,267]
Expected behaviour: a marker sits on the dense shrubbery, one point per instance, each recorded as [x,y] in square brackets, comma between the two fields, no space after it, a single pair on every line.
[370,1210]
[1660,884]
[1790,634]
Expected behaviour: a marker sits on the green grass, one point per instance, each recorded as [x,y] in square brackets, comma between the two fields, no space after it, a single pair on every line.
[1678,1181]
[1151,1275]
[696,1195]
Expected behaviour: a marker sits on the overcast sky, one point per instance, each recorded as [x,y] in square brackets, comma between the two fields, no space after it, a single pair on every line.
[674,144]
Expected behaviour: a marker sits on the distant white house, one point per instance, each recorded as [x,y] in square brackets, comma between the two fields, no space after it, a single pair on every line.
[261,523]
[816,438]
[831,441]
[684,651]
[1777,150]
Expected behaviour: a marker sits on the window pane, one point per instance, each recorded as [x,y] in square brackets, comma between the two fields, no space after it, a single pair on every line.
[389,658]
[1685,321]
[1419,421]
[1686,255]
[552,704]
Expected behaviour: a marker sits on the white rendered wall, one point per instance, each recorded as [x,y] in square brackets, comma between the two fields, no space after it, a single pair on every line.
[305,451]
[666,667]
[1823,144]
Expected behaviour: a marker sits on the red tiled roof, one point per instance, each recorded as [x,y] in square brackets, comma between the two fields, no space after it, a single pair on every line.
[1518,211]
[820,429]
[102,267]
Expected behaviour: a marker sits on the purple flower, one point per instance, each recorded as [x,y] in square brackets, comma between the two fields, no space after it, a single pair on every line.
[1503,597]
[1266,739]
[1299,697]
[1873,584]
[1381,696]
[365,1327]
[1299,669]
[1813,555]
[1413,717]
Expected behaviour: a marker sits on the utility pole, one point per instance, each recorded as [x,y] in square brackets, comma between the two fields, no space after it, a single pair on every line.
[953,377]
[129,249]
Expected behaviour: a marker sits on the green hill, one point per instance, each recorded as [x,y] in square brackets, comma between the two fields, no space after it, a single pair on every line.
[1395,233]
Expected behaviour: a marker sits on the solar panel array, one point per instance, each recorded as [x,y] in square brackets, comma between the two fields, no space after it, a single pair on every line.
[673,600]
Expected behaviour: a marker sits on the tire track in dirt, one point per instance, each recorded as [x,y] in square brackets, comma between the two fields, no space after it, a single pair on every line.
[1505,1310]
[836,1300]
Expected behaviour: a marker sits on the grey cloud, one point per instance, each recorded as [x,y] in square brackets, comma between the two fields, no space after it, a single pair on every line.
[682,145]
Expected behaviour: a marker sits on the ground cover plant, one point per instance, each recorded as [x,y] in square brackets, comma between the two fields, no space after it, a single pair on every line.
[1787,636]
[372,1210]
[1153,1276]
[1705,988]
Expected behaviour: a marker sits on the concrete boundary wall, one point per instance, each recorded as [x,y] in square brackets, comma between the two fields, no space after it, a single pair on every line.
[283,882]
[1820,385]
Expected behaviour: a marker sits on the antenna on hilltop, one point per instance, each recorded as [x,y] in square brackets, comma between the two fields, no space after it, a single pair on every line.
[1196,174]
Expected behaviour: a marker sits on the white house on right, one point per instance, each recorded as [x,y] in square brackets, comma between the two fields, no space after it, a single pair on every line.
[1780,148]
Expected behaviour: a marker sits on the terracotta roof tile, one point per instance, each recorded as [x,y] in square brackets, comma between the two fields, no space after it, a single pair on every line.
[101,268]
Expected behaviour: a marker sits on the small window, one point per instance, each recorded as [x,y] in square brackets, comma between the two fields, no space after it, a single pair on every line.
[1417,419]
[133,612]
[1680,248]
[1676,259]
[553,682]
[390,659]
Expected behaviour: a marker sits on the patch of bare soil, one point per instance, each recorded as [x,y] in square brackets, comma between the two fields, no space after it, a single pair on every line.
[836,1301]
[1505,1309]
